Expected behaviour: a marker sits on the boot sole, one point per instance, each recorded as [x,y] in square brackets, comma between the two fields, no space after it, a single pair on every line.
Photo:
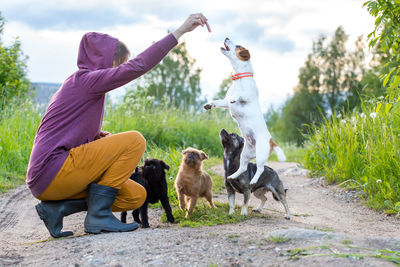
[96,230]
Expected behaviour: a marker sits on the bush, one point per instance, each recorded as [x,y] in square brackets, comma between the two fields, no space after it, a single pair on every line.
[362,150]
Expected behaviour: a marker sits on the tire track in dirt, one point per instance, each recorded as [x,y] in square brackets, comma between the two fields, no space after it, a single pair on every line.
[10,216]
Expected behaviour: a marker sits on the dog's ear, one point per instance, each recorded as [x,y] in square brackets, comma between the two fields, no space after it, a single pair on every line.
[164,165]
[185,151]
[203,155]
[244,54]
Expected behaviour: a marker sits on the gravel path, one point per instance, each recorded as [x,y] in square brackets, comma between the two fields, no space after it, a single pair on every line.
[325,220]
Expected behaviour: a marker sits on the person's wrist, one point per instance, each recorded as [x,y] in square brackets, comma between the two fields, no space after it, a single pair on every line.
[178,33]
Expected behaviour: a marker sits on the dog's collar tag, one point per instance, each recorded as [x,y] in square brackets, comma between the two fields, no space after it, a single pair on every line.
[241,75]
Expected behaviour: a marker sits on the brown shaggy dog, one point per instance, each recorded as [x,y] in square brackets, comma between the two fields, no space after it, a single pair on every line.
[192,182]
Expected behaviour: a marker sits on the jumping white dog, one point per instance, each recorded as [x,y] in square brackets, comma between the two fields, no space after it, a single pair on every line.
[242,101]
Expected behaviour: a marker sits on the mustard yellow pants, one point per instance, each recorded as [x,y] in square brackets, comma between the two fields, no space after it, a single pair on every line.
[108,161]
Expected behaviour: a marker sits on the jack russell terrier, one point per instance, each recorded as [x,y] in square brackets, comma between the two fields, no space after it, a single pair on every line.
[242,101]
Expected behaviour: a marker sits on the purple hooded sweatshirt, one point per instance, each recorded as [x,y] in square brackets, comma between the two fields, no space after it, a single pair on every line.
[75,112]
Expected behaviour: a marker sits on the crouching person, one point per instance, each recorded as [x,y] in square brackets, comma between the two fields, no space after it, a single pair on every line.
[74,166]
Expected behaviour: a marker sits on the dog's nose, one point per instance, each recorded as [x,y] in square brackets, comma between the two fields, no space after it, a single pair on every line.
[226,39]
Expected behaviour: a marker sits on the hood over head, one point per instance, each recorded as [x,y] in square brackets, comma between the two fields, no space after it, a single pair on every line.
[96,51]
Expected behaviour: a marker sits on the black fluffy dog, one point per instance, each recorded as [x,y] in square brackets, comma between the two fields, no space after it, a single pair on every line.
[152,177]
[269,179]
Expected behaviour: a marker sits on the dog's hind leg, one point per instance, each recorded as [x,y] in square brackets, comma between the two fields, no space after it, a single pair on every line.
[281,196]
[208,196]
[261,157]
[260,194]
[246,198]
[287,216]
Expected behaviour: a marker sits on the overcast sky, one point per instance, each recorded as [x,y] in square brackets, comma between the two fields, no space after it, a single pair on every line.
[278,34]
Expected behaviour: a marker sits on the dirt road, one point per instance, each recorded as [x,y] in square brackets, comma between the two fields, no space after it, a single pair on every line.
[328,228]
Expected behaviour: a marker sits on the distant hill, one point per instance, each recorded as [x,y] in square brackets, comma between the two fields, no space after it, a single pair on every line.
[44,91]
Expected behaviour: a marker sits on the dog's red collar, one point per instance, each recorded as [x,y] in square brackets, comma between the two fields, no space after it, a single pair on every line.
[241,75]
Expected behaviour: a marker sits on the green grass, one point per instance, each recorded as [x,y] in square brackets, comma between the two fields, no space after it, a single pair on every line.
[279,239]
[204,215]
[315,251]
[362,151]
[18,125]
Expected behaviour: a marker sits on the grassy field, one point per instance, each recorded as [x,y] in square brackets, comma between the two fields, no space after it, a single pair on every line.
[361,151]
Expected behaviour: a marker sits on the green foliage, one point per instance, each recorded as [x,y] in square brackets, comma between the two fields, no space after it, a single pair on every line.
[225,85]
[386,35]
[14,85]
[332,78]
[18,125]
[362,148]
[174,79]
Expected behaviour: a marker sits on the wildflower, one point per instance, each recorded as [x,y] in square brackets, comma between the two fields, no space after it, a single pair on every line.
[373,115]
[379,181]
[343,121]
[362,115]
[339,116]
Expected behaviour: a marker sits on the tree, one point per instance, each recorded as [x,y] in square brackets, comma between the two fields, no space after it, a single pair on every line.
[175,79]
[387,36]
[225,85]
[305,108]
[14,84]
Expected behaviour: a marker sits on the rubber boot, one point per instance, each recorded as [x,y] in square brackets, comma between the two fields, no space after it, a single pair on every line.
[99,216]
[53,212]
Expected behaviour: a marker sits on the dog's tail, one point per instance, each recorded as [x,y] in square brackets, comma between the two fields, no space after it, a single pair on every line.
[278,150]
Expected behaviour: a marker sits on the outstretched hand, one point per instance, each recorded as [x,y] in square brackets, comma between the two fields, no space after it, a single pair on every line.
[190,24]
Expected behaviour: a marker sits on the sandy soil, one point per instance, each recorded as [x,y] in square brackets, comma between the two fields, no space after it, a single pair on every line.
[325,220]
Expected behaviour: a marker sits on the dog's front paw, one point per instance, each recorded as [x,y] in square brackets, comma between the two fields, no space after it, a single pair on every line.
[257,210]
[145,225]
[287,217]
[230,178]
[253,181]
[170,218]
[243,212]
[208,106]
[231,211]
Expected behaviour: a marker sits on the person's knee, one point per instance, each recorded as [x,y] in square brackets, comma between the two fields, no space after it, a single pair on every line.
[136,139]
[141,196]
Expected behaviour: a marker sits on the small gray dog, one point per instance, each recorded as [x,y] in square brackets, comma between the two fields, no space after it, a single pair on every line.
[269,179]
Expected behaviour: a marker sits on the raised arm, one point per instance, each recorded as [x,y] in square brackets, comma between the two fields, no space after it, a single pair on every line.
[104,80]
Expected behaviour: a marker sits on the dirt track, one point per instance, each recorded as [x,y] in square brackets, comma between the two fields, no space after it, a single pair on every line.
[324,220]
